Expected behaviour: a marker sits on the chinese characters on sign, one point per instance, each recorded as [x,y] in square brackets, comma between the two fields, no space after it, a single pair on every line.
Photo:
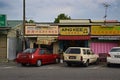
[34,30]
[98,30]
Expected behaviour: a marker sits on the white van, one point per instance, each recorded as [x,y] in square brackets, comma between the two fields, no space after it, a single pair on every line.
[77,55]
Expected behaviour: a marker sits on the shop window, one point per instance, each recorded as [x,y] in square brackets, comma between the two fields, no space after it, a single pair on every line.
[42,51]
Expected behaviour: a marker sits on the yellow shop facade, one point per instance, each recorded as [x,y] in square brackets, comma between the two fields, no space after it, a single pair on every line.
[103,38]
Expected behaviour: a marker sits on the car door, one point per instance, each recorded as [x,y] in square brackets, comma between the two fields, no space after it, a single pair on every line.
[43,56]
[85,54]
[92,56]
[50,56]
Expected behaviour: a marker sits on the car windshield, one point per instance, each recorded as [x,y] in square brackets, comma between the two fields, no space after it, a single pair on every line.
[72,51]
[115,50]
[30,50]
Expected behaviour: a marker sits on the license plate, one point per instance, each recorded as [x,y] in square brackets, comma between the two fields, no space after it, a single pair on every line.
[72,57]
[117,56]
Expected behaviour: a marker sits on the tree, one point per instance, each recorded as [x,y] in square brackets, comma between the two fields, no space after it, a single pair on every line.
[30,21]
[62,16]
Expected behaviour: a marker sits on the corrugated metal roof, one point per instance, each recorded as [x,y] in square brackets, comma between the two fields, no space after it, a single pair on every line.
[76,21]
[13,23]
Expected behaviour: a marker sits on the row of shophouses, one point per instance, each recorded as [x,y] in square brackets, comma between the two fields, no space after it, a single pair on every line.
[100,36]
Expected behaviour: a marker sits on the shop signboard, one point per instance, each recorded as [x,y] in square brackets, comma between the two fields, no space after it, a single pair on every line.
[2,20]
[41,30]
[99,30]
[74,31]
[108,37]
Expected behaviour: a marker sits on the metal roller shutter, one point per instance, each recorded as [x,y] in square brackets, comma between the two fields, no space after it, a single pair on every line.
[3,47]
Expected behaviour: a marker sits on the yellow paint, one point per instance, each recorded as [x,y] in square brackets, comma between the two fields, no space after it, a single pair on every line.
[99,30]
[74,30]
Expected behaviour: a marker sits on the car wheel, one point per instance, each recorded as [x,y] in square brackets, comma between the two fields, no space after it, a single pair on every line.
[38,63]
[23,64]
[97,61]
[108,65]
[86,64]
[69,64]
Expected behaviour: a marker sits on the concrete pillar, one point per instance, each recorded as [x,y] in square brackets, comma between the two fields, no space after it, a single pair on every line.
[31,44]
[55,47]
[39,46]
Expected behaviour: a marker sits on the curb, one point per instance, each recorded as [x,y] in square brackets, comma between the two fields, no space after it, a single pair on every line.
[7,62]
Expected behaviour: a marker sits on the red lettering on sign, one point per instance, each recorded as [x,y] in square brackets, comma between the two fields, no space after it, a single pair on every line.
[32,31]
[28,31]
[55,31]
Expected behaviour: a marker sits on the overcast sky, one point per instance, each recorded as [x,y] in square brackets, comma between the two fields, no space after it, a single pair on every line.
[48,10]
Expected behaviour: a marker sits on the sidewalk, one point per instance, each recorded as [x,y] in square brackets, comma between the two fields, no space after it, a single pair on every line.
[9,63]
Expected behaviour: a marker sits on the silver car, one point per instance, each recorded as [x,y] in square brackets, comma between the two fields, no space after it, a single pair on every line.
[113,56]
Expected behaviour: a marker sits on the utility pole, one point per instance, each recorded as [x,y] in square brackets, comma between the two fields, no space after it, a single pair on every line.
[23,29]
[23,17]
[106,5]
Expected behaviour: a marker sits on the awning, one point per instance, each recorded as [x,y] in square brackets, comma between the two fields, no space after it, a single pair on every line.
[74,38]
[45,40]
[4,28]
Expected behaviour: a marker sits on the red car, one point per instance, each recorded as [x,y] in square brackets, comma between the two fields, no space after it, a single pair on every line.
[36,57]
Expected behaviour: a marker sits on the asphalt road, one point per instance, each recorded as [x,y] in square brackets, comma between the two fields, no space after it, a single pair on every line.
[59,72]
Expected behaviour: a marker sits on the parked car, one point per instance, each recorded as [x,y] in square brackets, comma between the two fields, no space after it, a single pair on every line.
[36,57]
[113,56]
[78,55]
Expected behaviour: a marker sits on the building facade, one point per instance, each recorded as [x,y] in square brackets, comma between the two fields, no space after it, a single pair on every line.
[103,38]
[14,39]
[74,33]
[57,37]
[42,35]
[10,44]
[3,43]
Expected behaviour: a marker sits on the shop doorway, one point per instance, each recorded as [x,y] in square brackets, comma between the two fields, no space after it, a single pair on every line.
[49,47]
[35,45]
[64,44]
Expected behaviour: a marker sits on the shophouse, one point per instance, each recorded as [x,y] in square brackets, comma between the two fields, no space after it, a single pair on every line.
[14,38]
[3,43]
[42,35]
[10,44]
[104,36]
[74,33]
[100,36]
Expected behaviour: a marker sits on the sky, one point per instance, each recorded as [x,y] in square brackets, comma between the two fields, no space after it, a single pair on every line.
[48,10]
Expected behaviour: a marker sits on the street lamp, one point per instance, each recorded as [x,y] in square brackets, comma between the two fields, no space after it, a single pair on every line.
[106,5]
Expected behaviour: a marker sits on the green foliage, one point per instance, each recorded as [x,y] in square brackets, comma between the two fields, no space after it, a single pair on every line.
[61,16]
[30,21]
